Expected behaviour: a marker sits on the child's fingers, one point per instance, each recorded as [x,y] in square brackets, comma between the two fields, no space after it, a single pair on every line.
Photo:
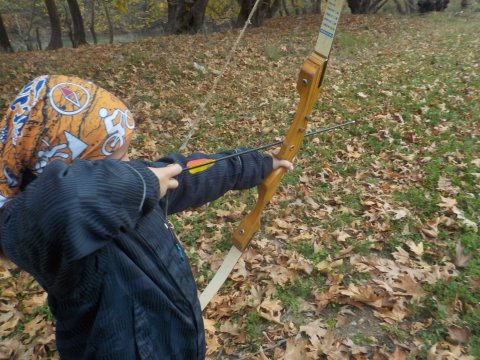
[277,163]
[173,170]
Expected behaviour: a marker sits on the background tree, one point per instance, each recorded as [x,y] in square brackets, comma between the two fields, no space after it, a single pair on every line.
[109,20]
[316,6]
[366,6]
[56,29]
[4,40]
[185,16]
[405,6]
[264,8]
[92,22]
[24,17]
[79,37]
[432,5]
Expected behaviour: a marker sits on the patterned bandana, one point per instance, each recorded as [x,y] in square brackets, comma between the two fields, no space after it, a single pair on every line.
[58,117]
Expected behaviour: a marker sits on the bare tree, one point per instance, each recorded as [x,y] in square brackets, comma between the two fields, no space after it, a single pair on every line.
[432,5]
[316,6]
[284,7]
[24,26]
[366,6]
[5,44]
[185,16]
[109,20]
[56,30]
[92,21]
[405,6]
[78,28]
[246,6]
[273,8]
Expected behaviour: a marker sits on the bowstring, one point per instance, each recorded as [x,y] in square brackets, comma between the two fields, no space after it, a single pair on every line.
[203,106]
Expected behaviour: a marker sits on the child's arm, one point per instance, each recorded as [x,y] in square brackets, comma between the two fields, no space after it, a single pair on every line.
[191,190]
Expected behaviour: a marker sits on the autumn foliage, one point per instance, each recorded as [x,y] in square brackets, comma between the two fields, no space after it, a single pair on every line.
[370,248]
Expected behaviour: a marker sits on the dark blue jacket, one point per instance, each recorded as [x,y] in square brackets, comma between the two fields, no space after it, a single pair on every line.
[95,237]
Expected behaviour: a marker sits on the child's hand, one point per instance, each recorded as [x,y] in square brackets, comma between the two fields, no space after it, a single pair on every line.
[166,176]
[282,163]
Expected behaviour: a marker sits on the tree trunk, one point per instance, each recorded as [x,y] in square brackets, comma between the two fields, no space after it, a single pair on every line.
[92,22]
[365,6]
[109,20]
[39,39]
[273,9]
[4,40]
[316,6]
[78,28]
[284,6]
[185,16]
[432,5]
[405,6]
[68,25]
[56,30]
[358,6]
[258,17]
[296,7]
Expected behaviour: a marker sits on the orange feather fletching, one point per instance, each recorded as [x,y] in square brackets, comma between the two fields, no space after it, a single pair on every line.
[199,165]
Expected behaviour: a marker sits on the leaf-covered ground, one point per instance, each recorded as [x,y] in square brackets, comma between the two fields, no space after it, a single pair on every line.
[370,248]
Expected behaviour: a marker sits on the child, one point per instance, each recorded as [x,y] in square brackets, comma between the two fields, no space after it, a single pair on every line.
[92,230]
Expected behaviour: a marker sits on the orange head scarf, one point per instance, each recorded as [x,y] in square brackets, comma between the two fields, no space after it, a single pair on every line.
[58,118]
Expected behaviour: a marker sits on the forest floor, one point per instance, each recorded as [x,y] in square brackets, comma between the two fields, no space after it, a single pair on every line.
[369,250]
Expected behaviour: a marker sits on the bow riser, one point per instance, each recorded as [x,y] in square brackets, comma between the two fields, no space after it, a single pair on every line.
[308,86]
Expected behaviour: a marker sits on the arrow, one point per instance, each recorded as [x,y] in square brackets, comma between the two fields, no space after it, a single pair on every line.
[199,165]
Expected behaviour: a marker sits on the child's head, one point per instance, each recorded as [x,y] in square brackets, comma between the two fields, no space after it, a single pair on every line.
[59,118]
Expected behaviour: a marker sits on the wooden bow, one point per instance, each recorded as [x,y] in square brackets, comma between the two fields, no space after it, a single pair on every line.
[308,85]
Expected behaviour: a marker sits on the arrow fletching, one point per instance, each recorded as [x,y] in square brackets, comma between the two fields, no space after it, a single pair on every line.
[199,165]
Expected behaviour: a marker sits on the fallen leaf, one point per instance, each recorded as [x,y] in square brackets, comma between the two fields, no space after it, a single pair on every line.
[458,335]
[315,331]
[461,259]
[295,349]
[271,310]
[417,249]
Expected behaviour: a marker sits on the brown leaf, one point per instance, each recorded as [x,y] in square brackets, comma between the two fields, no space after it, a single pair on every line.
[209,325]
[280,275]
[295,349]
[315,331]
[410,286]
[398,355]
[271,310]
[240,272]
[213,345]
[417,249]
[458,335]
[34,325]
[364,294]
[461,259]
[37,300]
[7,327]
[326,266]
[229,327]
[447,203]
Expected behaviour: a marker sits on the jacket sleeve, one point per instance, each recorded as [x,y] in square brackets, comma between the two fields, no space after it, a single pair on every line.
[70,211]
[237,173]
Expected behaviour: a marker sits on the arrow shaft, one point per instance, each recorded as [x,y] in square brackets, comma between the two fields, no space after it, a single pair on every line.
[263,147]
